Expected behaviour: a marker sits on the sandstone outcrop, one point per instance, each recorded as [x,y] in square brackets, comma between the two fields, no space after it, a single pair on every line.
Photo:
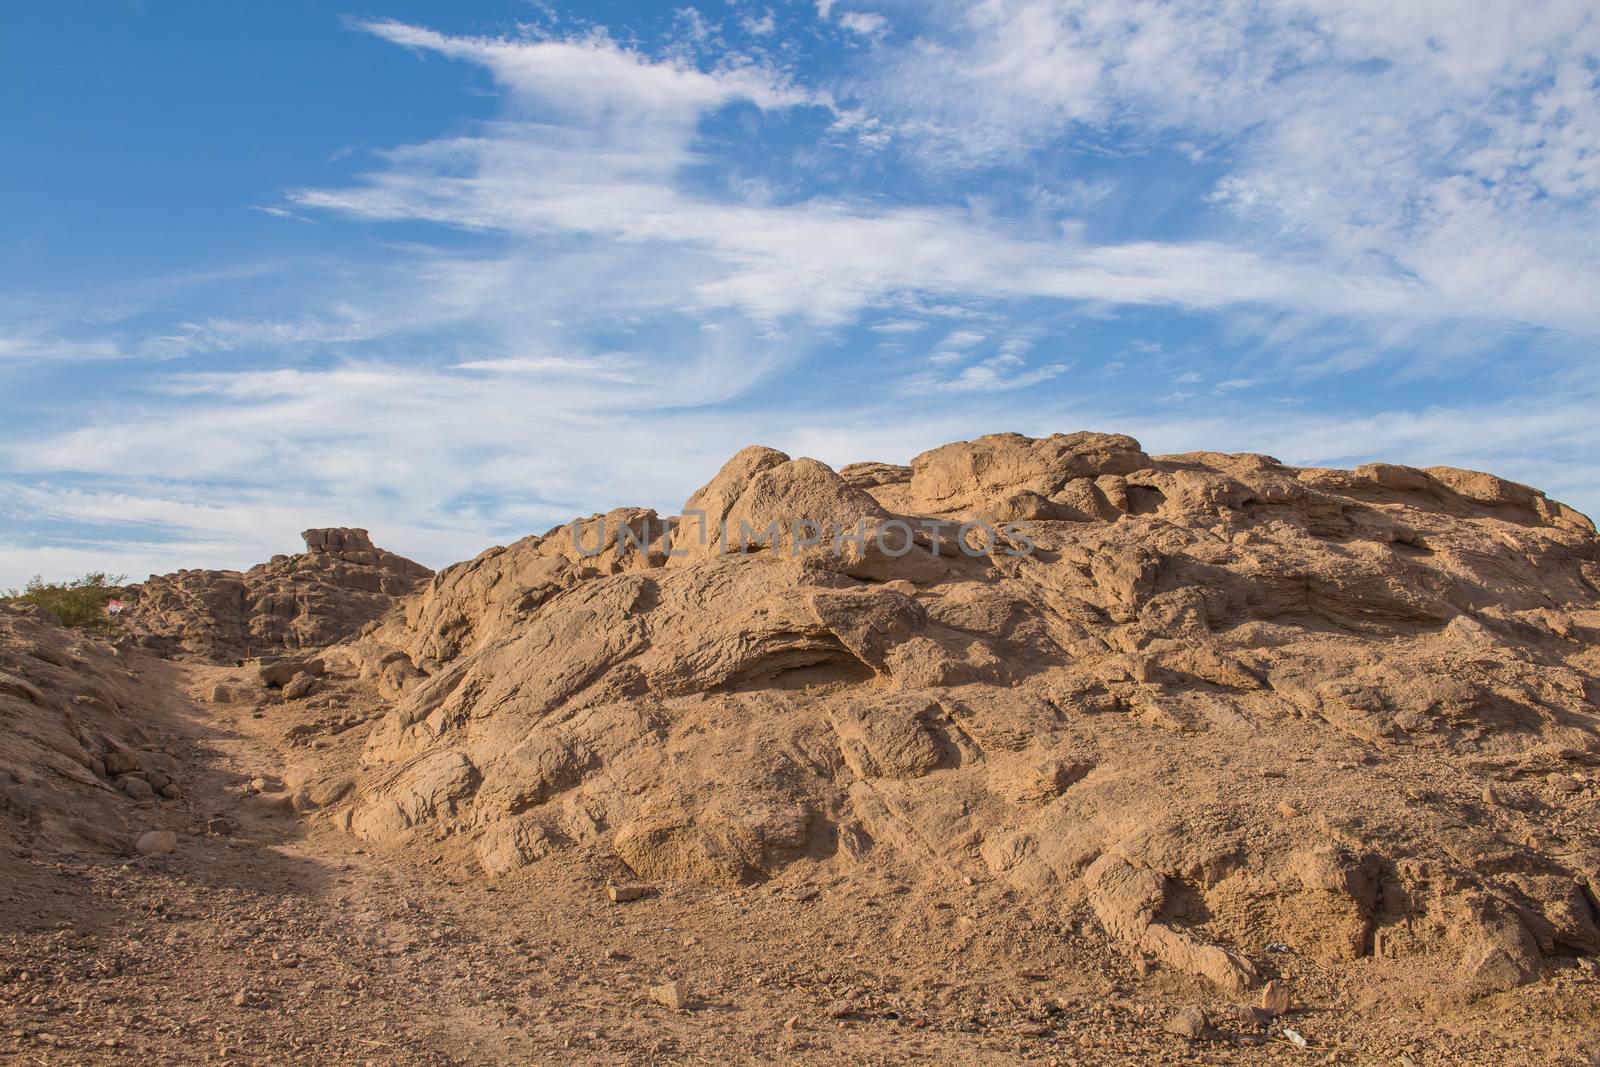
[1213,701]
[291,603]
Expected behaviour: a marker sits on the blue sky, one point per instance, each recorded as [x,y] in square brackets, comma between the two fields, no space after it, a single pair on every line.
[457,273]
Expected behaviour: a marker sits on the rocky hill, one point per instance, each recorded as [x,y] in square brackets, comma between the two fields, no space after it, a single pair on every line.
[1029,751]
[1225,703]
[290,603]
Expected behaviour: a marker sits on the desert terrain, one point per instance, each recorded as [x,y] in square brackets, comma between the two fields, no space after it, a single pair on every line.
[1030,751]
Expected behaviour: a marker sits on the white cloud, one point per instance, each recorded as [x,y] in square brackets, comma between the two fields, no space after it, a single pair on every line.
[613,369]
[225,335]
[28,349]
[866,23]
[595,84]
[898,326]
[998,374]
[1454,145]
[57,560]
[1407,166]
[598,136]
[449,460]
[760,27]
[278,212]
[439,464]
[962,339]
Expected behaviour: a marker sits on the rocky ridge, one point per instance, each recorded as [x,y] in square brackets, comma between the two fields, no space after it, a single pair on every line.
[290,603]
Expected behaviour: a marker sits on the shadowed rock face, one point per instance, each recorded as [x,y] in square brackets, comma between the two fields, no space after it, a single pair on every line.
[323,595]
[76,758]
[1213,700]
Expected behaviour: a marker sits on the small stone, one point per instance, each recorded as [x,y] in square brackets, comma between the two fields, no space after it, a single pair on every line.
[301,685]
[137,788]
[792,1023]
[282,672]
[272,803]
[1564,783]
[1275,997]
[157,843]
[1490,797]
[220,827]
[671,995]
[1189,1023]
[221,694]
[119,762]
[171,791]
[622,894]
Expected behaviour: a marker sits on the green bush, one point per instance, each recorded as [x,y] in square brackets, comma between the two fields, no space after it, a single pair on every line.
[80,602]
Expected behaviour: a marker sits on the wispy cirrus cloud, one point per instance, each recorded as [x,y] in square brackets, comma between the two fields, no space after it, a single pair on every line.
[36,348]
[597,140]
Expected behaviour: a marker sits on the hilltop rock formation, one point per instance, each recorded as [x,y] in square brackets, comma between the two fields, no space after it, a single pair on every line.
[291,603]
[1214,701]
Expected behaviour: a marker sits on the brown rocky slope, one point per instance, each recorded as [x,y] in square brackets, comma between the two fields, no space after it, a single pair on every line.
[293,602]
[78,756]
[1229,707]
